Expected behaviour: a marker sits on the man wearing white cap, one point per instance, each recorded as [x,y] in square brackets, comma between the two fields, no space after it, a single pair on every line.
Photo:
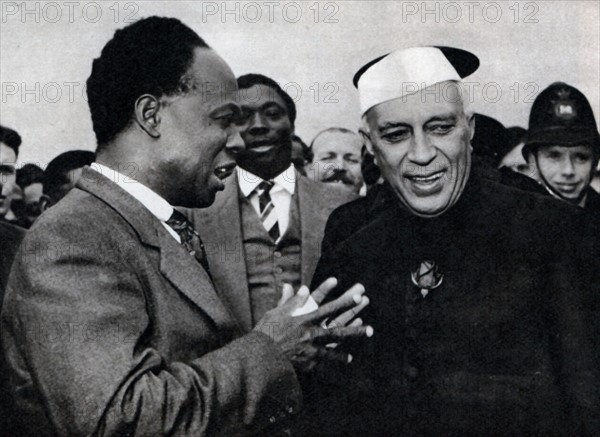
[476,305]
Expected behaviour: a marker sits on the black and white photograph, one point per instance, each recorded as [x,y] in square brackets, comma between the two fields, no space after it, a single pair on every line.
[300,218]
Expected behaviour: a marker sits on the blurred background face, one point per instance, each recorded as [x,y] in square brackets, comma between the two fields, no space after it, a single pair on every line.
[32,195]
[337,159]
[423,149]
[567,170]
[515,161]
[8,173]
[266,130]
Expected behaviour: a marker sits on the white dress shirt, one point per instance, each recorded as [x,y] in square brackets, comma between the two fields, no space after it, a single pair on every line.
[281,193]
[158,206]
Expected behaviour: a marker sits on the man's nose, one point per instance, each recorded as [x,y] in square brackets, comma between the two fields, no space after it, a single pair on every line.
[257,125]
[567,167]
[421,150]
[235,143]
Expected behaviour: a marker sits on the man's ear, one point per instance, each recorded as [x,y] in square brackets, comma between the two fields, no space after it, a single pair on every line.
[368,143]
[472,126]
[147,114]
[45,202]
[366,140]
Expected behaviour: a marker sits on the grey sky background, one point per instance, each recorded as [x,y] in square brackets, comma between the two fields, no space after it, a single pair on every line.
[311,48]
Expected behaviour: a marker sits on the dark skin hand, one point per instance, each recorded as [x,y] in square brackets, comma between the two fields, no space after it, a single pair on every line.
[302,339]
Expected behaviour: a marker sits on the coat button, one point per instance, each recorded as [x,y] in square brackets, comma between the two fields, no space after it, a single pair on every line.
[272,419]
[277,254]
[411,372]
[290,410]
[278,270]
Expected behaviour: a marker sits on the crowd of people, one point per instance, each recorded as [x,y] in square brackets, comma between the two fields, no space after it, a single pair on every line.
[452,260]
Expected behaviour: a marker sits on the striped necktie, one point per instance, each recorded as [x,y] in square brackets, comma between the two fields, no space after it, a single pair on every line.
[267,212]
[190,239]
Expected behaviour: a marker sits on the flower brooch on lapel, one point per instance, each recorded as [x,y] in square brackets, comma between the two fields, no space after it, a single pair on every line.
[427,277]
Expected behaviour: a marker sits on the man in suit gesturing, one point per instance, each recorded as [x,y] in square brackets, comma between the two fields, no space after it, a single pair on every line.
[266,228]
[111,324]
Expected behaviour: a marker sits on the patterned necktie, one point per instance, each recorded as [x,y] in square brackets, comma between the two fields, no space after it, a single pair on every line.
[267,212]
[189,238]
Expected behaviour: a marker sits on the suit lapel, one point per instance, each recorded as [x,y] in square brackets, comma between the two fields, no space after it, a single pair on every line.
[310,222]
[180,268]
[221,230]
[188,276]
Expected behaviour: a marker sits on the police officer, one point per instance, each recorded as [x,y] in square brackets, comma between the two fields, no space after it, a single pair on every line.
[564,145]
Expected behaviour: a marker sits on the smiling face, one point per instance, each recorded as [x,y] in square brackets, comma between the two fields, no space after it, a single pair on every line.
[199,134]
[566,170]
[266,129]
[422,147]
[337,159]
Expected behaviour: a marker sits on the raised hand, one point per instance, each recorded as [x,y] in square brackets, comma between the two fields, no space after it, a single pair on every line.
[302,338]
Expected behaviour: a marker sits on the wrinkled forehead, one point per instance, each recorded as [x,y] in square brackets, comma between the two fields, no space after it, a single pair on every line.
[259,95]
[212,77]
[7,155]
[338,141]
[442,100]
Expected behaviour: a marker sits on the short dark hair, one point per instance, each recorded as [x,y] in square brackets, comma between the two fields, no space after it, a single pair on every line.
[29,174]
[59,167]
[306,152]
[249,80]
[150,56]
[11,138]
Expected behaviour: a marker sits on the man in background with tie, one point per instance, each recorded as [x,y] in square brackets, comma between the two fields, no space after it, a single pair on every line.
[109,326]
[266,228]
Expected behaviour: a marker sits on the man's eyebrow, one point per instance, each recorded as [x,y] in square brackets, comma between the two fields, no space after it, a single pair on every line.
[446,118]
[228,106]
[7,167]
[391,124]
[265,105]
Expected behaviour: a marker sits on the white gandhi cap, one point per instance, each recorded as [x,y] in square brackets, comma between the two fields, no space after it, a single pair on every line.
[408,71]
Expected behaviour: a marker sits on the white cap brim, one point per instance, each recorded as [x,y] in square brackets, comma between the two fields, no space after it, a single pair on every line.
[409,71]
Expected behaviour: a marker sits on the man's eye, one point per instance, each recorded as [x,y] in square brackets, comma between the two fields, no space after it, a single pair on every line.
[242,118]
[582,159]
[554,155]
[353,160]
[395,136]
[442,128]
[7,170]
[273,113]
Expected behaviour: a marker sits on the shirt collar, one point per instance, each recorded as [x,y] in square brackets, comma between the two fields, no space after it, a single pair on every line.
[249,181]
[157,205]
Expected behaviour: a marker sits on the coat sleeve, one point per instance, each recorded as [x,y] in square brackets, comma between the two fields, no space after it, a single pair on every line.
[569,289]
[75,329]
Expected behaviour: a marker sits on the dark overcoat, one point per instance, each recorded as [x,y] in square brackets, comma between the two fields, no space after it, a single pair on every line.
[500,347]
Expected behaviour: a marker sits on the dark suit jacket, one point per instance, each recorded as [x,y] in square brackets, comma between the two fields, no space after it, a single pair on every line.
[501,347]
[110,327]
[221,230]
[10,239]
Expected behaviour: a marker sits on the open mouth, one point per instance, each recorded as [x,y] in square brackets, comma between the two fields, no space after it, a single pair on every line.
[429,179]
[224,171]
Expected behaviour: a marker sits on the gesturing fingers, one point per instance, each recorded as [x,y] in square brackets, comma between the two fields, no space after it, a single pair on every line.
[337,334]
[323,290]
[346,316]
[351,298]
